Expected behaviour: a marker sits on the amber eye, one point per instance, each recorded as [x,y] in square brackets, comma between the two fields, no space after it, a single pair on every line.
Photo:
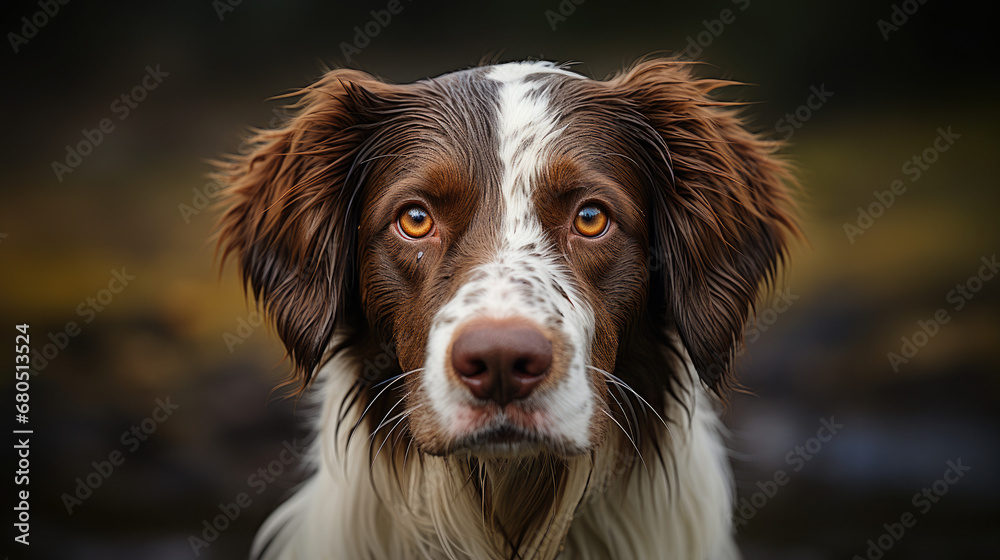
[591,220]
[415,222]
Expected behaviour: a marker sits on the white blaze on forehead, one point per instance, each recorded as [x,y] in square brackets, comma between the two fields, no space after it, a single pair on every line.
[526,276]
[526,126]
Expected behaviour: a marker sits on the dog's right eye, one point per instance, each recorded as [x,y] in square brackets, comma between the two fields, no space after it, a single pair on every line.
[415,222]
[591,220]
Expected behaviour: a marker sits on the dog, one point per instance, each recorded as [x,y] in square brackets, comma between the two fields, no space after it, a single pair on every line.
[514,294]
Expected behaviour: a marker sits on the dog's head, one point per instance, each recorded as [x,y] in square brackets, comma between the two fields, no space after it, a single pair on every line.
[514,254]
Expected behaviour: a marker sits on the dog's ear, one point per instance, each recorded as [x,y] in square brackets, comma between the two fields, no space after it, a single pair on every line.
[290,219]
[721,216]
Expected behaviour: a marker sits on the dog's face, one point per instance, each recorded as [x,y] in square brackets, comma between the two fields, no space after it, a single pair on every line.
[519,243]
[505,255]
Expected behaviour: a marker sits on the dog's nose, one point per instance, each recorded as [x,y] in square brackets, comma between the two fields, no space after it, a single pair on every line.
[501,360]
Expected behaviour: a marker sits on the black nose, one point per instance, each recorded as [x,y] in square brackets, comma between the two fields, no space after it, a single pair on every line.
[501,360]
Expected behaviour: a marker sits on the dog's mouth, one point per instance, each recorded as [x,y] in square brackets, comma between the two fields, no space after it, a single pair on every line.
[503,441]
[510,441]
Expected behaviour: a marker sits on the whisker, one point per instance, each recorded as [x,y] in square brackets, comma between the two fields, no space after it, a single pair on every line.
[372,403]
[395,440]
[404,417]
[406,453]
[628,401]
[623,411]
[386,419]
[639,453]
[397,377]
[626,386]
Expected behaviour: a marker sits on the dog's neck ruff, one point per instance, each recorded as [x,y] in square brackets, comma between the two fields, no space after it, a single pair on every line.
[429,507]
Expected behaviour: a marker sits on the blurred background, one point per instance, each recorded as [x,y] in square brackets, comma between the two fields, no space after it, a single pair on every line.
[151,388]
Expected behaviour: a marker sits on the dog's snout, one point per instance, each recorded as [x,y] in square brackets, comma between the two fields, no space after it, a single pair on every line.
[501,360]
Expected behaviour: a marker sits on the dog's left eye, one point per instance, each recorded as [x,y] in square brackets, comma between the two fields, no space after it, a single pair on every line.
[415,222]
[591,220]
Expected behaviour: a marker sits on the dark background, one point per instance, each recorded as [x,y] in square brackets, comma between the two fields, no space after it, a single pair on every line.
[165,334]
